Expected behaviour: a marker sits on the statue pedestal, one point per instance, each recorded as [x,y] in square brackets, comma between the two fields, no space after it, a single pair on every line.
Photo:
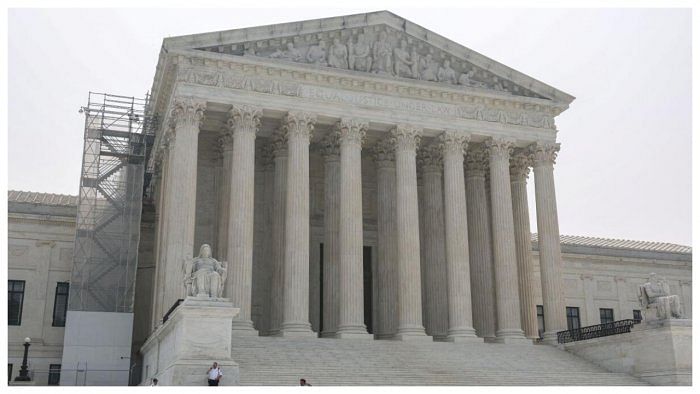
[197,334]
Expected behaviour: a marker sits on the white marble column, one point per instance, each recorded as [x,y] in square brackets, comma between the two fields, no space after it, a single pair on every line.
[433,264]
[298,127]
[543,156]
[264,246]
[519,169]
[406,139]
[243,124]
[160,176]
[351,135]
[386,281]
[480,255]
[331,226]
[226,146]
[459,299]
[185,119]
[279,198]
[504,258]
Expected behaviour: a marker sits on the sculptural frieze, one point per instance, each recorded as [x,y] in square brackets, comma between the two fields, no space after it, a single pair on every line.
[204,275]
[379,50]
[657,301]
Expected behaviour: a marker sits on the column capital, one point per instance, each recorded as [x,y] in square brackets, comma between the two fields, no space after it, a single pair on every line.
[477,161]
[520,163]
[330,146]
[225,140]
[406,137]
[298,124]
[187,111]
[383,153]
[266,157]
[499,148]
[544,153]
[453,142]
[351,131]
[244,119]
[278,143]
[430,158]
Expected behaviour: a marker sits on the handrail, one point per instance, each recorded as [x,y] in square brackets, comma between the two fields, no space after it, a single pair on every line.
[172,308]
[596,331]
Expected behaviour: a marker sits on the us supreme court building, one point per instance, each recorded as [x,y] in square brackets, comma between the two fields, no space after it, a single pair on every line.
[364,180]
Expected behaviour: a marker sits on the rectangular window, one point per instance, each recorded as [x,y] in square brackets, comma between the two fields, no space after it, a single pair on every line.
[606,315]
[60,304]
[54,374]
[15,299]
[573,319]
[540,320]
[637,315]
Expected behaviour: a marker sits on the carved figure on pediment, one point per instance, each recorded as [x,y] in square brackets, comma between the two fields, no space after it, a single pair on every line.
[292,53]
[277,54]
[317,54]
[338,54]
[447,73]
[382,55]
[204,275]
[466,78]
[657,301]
[415,63]
[497,85]
[428,68]
[360,55]
[402,61]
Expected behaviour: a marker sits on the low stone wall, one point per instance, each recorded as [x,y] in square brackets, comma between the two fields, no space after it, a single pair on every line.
[659,353]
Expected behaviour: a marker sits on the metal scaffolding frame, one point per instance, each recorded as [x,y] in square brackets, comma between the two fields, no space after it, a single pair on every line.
[118,138]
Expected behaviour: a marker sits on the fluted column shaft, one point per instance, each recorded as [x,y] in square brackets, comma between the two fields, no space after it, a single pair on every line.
[243,124]
[386,280]
[279,198]
[186,116]
[298,128]
[435,316]
[505,263]
[519,169]
[161,222]
[226,146]
[351,301]
[406,139]
[459,301]
[543,156]
[480,256]
[331,243]
[265,247]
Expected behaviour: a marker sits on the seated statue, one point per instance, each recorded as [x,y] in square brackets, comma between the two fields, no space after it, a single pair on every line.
[657,301]
[204,275]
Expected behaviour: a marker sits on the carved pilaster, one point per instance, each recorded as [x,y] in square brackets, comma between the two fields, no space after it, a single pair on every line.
[278,143]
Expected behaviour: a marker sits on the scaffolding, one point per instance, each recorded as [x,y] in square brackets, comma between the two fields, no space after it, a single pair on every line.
[119,133]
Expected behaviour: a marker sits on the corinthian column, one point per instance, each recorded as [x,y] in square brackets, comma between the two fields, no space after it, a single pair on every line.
[386,281]
[433,243]
[505,263]
[279,198]
[331,244]
[406,139]
[543,156]
[185,118]
[298,127]
[519,169]
[351,134]
[226,146]
[243,124]
[459,299]
[480,256]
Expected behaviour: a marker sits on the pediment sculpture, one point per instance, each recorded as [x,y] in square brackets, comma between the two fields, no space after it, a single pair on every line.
[380,50]
[657,301]
[204,275]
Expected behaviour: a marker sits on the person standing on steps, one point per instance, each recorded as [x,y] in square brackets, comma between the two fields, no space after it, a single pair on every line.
[214,374]
[302,382]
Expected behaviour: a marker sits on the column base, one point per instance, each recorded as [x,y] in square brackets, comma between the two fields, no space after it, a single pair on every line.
[296,330]
[243,328]
[354,335]
[550,338]
[462,335]
[412,334]
[512,337]
[327,334]
[384,336]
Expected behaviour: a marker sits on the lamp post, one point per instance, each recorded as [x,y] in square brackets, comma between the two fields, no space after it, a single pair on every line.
[24,371]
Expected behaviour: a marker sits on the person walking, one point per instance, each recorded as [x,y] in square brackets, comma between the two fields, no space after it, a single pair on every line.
[214,374]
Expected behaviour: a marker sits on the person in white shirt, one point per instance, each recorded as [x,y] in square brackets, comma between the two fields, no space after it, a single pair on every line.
[214,374]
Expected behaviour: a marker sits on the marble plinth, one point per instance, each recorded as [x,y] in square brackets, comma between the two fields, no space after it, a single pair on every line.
[181,350]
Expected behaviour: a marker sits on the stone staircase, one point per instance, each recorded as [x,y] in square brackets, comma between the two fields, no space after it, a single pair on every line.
[273,361]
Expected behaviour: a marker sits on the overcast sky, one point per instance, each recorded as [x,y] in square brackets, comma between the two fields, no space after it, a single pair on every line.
[624,170]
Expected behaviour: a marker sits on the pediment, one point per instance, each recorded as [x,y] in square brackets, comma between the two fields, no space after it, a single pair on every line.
[378,43]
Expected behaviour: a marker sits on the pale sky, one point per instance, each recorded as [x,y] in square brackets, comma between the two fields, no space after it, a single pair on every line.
[624,170]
